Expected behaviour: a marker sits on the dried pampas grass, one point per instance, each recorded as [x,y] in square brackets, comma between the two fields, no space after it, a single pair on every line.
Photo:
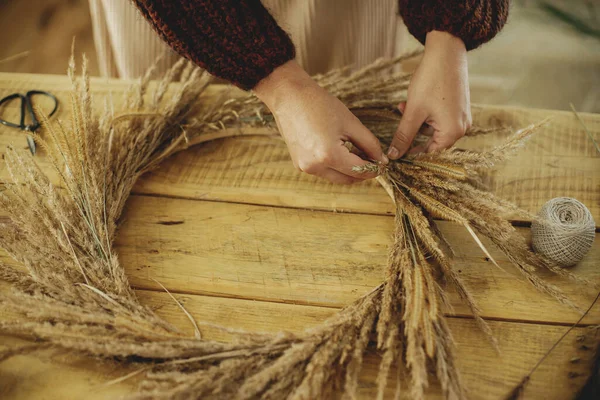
[70,292]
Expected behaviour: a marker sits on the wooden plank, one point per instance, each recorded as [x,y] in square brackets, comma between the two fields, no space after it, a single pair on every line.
[304,257]
[487,374]
[225,250]
[558,161]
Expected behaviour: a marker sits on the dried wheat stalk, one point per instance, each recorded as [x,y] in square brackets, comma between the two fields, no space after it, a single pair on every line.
[70,292]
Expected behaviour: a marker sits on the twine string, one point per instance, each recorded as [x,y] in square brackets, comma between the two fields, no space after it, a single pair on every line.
[564,231]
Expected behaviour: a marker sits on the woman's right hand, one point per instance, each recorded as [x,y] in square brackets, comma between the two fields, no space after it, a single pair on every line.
[315,126]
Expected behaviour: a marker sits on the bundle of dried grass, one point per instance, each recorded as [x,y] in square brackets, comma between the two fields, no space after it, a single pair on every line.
[70,292]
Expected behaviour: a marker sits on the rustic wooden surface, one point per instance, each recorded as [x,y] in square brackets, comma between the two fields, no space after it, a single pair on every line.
[245,241]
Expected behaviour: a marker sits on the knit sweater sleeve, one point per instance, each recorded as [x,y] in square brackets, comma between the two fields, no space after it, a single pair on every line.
[237,40]
[473,21]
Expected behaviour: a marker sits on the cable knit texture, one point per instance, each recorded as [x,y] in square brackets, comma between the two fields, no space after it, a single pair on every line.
[238,40]
[473,21]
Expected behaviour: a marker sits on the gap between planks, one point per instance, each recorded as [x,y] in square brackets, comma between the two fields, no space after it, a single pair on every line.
[201,294]
[225,283]
[515,222]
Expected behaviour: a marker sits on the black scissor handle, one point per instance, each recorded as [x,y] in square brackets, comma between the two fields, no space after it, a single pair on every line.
[21,124]
[27,108]
[34,122]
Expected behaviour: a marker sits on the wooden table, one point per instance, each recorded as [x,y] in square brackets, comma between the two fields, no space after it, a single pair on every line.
[245,241]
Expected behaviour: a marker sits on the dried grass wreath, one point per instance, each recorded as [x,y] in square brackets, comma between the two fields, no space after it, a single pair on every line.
[70,291]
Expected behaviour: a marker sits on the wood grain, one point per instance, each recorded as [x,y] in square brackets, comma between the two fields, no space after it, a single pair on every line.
[487,374]
[318,258]
[254,264]
[308,257]
[557,161]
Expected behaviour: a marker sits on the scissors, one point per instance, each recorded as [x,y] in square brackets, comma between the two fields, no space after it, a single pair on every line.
[27,109]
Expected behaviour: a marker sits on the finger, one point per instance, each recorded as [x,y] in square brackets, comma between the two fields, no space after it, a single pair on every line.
[362,138]
[354,150]
[334,176]
[441,141]
[424,143]
[349,164]
[422,148]
[402,106]
[427,130]
[406,132]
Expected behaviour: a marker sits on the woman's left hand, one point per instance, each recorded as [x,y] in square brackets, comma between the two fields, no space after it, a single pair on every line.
[438,95]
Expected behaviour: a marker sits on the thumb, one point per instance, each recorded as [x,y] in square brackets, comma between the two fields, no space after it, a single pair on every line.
[406,132]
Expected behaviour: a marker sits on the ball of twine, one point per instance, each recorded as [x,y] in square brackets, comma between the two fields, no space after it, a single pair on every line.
[564,231]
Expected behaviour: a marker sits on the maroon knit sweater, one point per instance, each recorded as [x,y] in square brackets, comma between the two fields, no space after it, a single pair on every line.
[238,40]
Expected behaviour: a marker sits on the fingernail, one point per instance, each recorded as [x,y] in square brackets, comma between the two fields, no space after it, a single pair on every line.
[385,159]
[393,153]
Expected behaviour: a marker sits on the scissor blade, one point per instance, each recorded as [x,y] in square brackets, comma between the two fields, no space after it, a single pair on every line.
[31,144]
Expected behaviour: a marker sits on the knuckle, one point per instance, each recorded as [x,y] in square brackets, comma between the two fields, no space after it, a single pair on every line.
[323,158]
[469,125]
[296,165]
[312,163]
[310,168]
[467,120]
[457,130]
[305,166]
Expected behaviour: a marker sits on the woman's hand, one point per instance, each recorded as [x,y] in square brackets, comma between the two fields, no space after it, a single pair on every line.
[438,95]
[315,126]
